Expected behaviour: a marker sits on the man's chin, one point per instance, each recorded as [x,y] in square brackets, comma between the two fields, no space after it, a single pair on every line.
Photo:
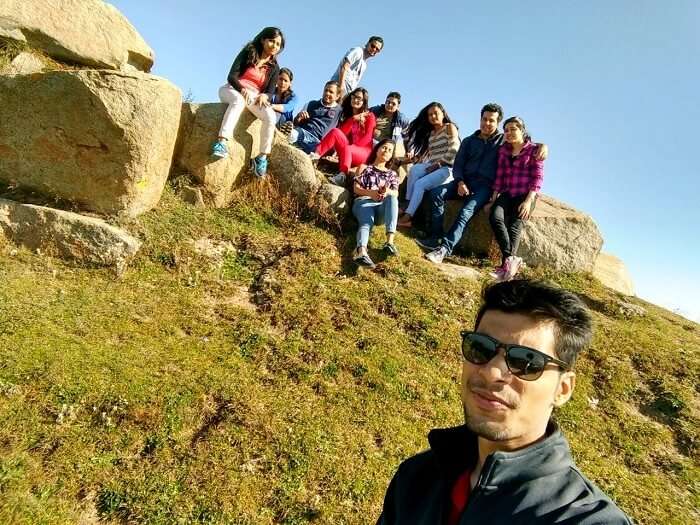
[487,428]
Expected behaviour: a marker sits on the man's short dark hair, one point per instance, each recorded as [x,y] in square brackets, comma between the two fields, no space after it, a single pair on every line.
[396,95]
[376,39]
[492,107]
[548,303]
[332,83]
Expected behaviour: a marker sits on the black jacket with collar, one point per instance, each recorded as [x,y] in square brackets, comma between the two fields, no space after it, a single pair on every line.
[538,484]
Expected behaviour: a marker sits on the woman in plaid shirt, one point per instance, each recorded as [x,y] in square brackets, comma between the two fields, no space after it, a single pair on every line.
[518,179]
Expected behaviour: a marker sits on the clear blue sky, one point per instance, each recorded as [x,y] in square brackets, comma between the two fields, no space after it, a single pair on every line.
[610,86]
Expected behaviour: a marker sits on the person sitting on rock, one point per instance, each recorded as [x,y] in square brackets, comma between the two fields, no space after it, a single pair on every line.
[284,101]
[251,83]
[474,172]
[352,139]
[314,120]
[353,64]
[434,140]
[518,179]
[391,123]
[376,202]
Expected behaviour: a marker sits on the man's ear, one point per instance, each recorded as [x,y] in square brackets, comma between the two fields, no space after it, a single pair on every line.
[567,382]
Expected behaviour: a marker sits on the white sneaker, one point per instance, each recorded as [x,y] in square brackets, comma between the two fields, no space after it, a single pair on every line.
[513,265]
[338,180]
[500,272]
[437,256]
[314,156]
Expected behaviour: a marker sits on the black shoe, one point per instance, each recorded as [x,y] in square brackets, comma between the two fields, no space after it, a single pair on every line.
[429,243]
[287,128]
[390,248]
[364,260]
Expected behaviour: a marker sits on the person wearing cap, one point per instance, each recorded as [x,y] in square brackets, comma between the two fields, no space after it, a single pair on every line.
[509,462]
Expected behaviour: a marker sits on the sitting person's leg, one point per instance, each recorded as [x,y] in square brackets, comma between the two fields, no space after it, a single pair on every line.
[267,118]
[497,218]
[356,155]
[236,102]
[364,211]
[438,196]
[416,172]
[303,140]
[425,183]
[390,217]
[476,200]
[334,139]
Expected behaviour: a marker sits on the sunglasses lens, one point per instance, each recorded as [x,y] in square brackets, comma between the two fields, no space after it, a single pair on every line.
[478,349]
[524,363]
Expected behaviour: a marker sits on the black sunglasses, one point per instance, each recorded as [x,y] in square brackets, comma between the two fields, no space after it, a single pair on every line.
[523,362]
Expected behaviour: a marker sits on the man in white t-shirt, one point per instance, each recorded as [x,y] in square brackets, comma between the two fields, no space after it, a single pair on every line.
[354,63]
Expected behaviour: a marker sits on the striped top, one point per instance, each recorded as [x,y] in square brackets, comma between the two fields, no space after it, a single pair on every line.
[442,146]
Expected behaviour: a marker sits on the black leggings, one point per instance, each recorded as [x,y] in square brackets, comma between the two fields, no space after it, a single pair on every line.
[506,224]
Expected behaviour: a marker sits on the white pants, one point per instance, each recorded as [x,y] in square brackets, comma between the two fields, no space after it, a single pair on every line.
[236,102]
[419,181]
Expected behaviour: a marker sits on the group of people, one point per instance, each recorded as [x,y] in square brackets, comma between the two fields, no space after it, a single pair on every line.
[501,172]
[509,463]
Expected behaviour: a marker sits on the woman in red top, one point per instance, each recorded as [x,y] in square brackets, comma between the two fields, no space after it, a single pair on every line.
[352,139]
[251,83]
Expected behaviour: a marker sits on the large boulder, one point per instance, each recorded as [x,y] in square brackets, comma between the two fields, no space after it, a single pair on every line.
[102,139]
[66,234]
[338,199]
[86,32]
[613,273]
[557,236]
[198,130]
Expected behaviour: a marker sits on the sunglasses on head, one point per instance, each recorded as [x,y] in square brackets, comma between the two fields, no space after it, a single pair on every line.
[523,362]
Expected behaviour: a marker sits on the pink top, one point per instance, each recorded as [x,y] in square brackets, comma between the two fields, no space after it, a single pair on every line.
[359,135]
[254,78]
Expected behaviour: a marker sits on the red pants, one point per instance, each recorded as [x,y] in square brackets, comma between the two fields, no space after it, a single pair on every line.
[348,154]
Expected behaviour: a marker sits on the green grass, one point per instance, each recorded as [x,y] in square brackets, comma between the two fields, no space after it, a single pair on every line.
[269,383]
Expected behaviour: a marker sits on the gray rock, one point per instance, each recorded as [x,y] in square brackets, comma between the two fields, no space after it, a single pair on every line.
[87,32]
[631,310]
[66,234]
[456,271]
[198,130]
[337,198]
[193,196]
[557,236]
[613,273]
[25,63]
[102,139]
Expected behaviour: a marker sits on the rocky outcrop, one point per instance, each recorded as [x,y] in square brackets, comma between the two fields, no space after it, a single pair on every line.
[24,63]
[199,128]
[86,32]
[557,236]
[66,234]
[337,198]
[613,273]
[101,139]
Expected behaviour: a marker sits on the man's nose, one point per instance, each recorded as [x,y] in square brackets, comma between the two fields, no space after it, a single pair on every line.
[496,369]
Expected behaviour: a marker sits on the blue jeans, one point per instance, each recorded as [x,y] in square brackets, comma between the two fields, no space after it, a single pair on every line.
[303,140]
[477,198]
[369,212]
[419,181]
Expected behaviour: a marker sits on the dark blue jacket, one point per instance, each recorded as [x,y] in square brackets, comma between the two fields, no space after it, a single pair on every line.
[536,485]
[476,159]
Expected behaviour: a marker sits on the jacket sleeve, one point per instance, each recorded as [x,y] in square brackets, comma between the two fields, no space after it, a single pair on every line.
[291,104]
[460,161]
[235,71]
[501,168]
[388,515]
[365,139]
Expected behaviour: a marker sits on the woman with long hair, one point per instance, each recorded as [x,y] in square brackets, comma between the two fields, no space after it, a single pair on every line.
[352,139]
[284,100]
[251,83]
[434,140]
[519,175]
[376,202]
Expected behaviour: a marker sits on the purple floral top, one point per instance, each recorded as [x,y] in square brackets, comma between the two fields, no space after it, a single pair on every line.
[371,176]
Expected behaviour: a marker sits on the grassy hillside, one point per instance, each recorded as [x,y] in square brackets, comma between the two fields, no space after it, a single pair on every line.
[240,372]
